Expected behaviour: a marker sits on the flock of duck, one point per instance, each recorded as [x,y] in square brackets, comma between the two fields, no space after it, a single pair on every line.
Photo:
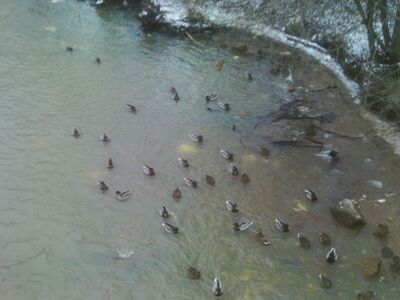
[231,206]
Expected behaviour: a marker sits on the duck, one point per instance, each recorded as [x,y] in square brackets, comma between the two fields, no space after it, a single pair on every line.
[110,164]
[76,133]
[249,76]
[192,272]
[329,155]
[233,170]
[231,206]
[183,162]
[224,106]
[303,241]
[244,177]
[102,186]
[131,108]
[177,194]
[69,49]
[324,281]
[234,127]
[164,212]
[190,182]
[217,287]
[209,180]
[263,151]
[104,138]
[281,225]
[331,256]
[198,138]
[176,97]
[170,228]
[324,239]
[260,236]
[242,226]
[149,171]
[226,154]
[96,60]
[310,195]
[122,196]
[212,97]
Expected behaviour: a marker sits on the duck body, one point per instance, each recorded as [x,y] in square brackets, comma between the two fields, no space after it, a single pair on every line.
[209,180]
[177,194]
[231,206]
[224,106]
[324,239]
[69,49]
[233,170]
[303,241]
[244,177]
[226,154]
[131,108]
[183,162]
[242,226]
[110,164]
[102,186]
[190,182]
[260,236]
[331,256]
[170,228]
[281,225]
[76,133]
[122,196]
[149,171]
[217,287]
[192,272]
[198,138]
[249,76]
[164,212]
[104,138]
[324,281]
[310,195]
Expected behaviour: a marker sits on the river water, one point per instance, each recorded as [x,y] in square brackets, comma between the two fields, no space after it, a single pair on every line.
[63,239]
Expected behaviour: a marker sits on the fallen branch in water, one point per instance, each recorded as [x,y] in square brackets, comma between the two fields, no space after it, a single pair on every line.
[340,134]
[328,87]
[297,144]
[192,39]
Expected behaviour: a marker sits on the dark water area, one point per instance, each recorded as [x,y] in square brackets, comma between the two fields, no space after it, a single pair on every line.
[61,238]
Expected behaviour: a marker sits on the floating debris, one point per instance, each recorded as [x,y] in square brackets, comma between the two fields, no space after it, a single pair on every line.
[219,64]
[192,272]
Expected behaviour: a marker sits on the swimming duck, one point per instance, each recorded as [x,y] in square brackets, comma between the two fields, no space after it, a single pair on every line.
[183,162]
[303,241]
[122,196]
[263,151]
[244,177]
[131,108]
[324,239]
[310,195]
[242,226]
[324,281]
[233,127]
[104,138]
[331,256]
[198,138]
[281,225]
[149,171]
[211,97]
[96,60]
[102,186]
[226,154]
[164,212]
[69,49]
[217,287]
[192,272]
[260,236]
[395,263]
[209,180]
[289,78]
[177,194]
[190,182]
[224,106]
[231,206]
[249,76]
[233,170]
[110,164]
[76,133]
[176,97]
[170,228]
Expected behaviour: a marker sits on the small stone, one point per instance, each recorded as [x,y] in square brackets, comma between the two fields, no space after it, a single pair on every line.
[366,296]
[375,183]
[370,266]
[382,231]
[347,212]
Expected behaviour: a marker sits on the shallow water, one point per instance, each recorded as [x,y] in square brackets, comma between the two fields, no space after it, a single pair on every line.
[60,237]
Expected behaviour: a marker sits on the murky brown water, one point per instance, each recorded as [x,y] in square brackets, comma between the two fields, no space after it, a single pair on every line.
[60,237]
